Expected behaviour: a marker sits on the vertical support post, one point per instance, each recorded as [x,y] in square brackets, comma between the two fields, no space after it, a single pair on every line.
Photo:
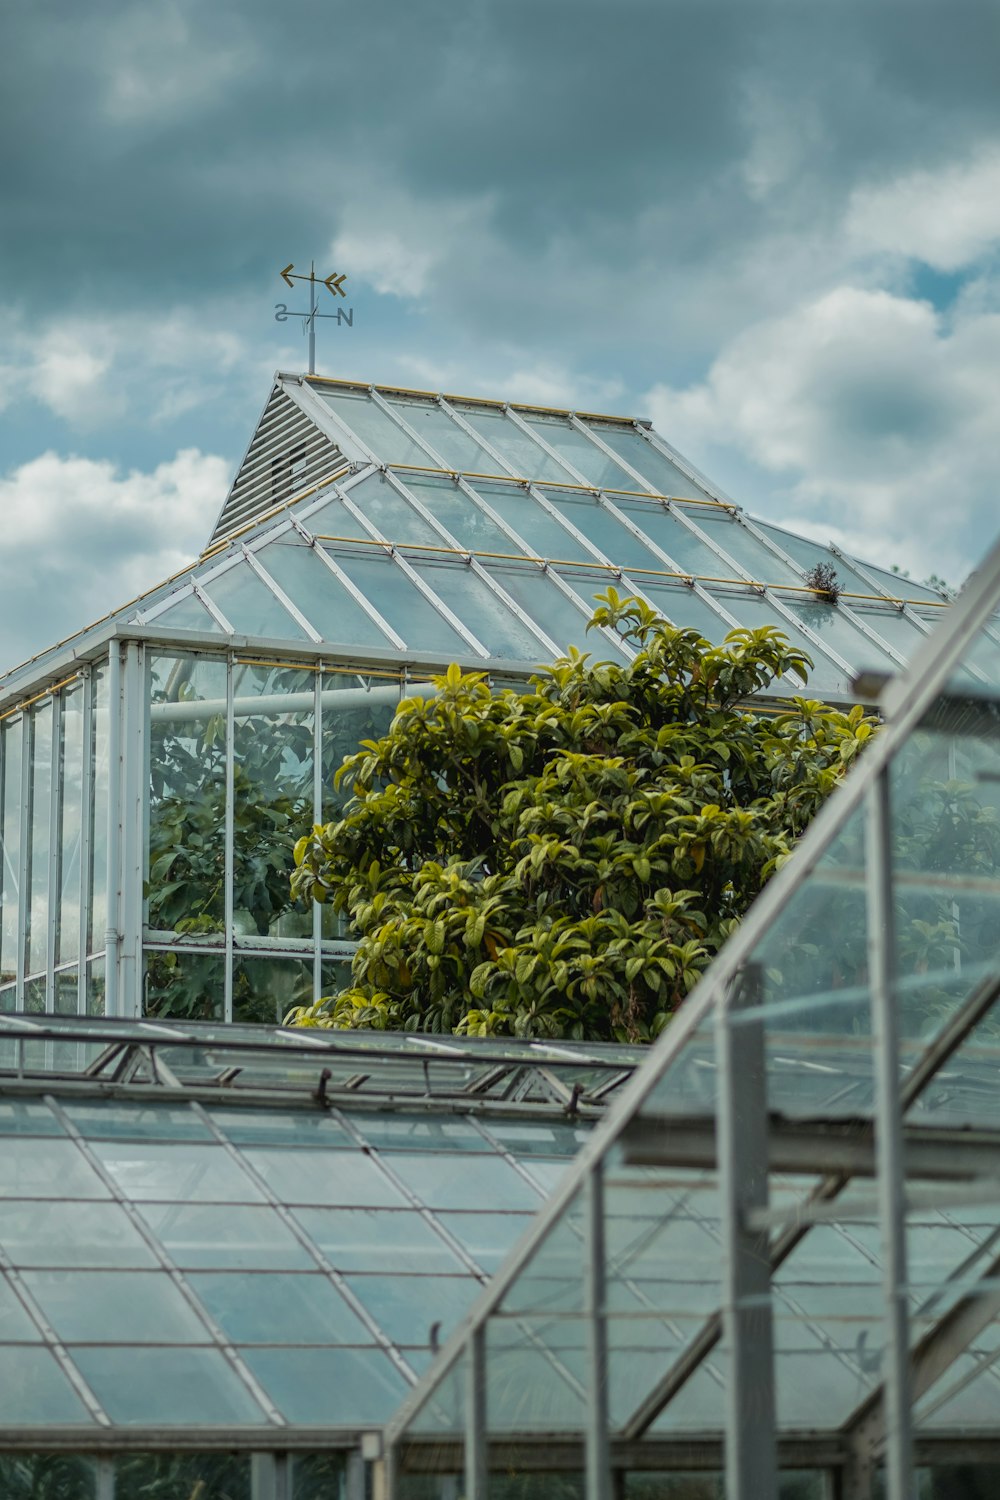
[24,857]
[596,1448]
[742,1136]
[52,902]
[86,837]
[476,1467]
[317,910]
[354,1476]
[312,317]
[132,822]
[111,936]
[105,1470]
[889,1141]
[229,838]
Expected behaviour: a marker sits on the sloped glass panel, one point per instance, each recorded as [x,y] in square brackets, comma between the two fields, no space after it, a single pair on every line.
[665,477]
[540,531]
[190,1173]
[48,1169]
[333,521]
[376,429]
[329,1387]
[115,1307]
[579,452]
[250,606]
[188,614]
[10,843]
[753,612]
[832,626]
[168,1387]
[27,1117]
[893,627]
[249,1127]
[71,1234]
[272,1308]
[15,1325]
[899,586]
[445,1181]
[686,550]
[539,597]
[486,1236]
[451,442]
[378,1240]
[392,514]
[226,1237]
[682,607]
[458,512]
[527,459]
[474,602]
[116,1118]
[422,1310]
[409,613]
[727,532]
[807,553]
[347,1179]
[327,604]
[600,526]
[36,1393]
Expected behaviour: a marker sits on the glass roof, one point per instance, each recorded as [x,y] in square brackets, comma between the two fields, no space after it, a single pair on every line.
[469,530]
[891,906]
[278,1267]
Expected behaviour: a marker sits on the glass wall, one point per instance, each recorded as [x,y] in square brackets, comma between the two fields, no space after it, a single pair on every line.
[54,847]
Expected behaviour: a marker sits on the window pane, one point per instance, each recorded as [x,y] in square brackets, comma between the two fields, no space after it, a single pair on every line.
[392,515]
[173,1387]
[71,813]
[189,1173]
[475,604]
[577,449]
[416,1310]
[38,883]
[10,844]
[451,443]
[412,616]
[182,1476]
[538,529]
[188,614]
[665,477]
[99,833]
[373,426]
[226,1237]
[48,1169]
[377,1240]
[339,1178]
[339,1387]
[687,551]
[36,1393]
[741,544]
[71,1234]
[455,1181]
[250,606]
[266,1308]
[327,604]
[523,454]
[115,1307]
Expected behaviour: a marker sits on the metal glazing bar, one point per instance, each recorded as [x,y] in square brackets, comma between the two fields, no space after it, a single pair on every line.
[213,609]
[133,822]
[889,1140]
[111,937]
[419,583]
[230,836]
[357,594]
[598,1458]
[261,572]
[215,1334]
[53,904]
[476,1432]
[308,1244]
[24,855]
[330,421]
[317,791]
[751,1454]
[86,837]
[105,1476]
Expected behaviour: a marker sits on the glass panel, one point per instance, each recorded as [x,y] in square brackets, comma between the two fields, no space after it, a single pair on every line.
[71,1234]
[335,1387]
[167,1387]
[345,1178]
[682,606]
[48,1168]
[186,858]
[578,451]
[538,529]
[15,1325]
[70,828]
[182,1476]
[266,989]
[376,429]
[189,1173]
[317,1476]
[476,605]
[333,520]
[662,474]
[412,616]
[25,1476]
[599,525]
[685,550]
[468,524]
[352,711]
[285,1127]
[808,553]
[451,443]
[446,1181]
[377,1240]
[38,883]
[392,515]
[115,1307]
[399,1132]
[752,611]
[486,1236]
[831,625]
[901,634]
[209,1237]
[416,1310]
[25,1117]
[10,843]
[36,1393]
[327,603]
[740,544]
[116,1119]
[523,454]
[95,987]
[188,614]
[266,1308]
[186,986]
[539,596]
[250,606]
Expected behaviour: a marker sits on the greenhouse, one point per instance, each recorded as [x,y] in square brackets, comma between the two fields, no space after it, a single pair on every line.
[156,769]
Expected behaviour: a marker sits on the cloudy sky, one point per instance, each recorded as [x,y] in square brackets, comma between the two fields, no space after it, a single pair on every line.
[772,228]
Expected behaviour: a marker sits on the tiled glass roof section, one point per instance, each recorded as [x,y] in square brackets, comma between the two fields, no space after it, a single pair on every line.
[824,1105]
[371,520]
[207,1231]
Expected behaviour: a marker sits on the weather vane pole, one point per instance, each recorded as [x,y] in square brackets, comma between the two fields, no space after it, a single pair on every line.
[334,284]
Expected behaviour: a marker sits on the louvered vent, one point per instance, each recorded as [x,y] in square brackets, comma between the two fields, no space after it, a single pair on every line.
[287,456]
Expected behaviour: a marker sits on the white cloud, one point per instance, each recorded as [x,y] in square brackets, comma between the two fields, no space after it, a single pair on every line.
[948,217]
[157,68]
[868,416]
[85,537]
[399,245]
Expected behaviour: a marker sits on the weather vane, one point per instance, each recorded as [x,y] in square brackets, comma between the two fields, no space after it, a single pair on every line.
[334,285]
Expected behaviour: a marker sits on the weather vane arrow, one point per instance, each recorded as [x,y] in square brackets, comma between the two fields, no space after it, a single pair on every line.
[334,284]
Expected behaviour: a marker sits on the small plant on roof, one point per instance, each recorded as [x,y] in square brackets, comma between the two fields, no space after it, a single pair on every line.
[823,581]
